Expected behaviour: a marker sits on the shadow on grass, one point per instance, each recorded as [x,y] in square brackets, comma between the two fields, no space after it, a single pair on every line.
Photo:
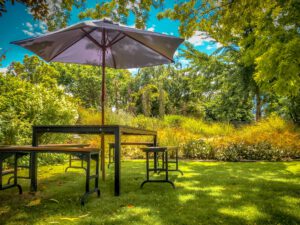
[208,193]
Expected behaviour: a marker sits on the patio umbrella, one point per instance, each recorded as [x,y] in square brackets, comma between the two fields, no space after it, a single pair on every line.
[104,43]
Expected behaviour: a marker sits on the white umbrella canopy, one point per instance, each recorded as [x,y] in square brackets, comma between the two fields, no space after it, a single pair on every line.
[107,44]
[85,42]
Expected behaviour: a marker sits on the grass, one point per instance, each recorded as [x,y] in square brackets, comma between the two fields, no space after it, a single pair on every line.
[208,193]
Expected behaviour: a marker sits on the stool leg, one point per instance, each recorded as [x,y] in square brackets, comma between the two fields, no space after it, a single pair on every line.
[167,171]
[109,156]
[87,179]
[147,170]
[177,162]
[1,165]
[97,176]
[155,162]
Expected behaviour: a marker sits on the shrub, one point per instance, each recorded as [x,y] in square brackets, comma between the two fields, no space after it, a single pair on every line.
[198,149]
[259,151]
[174,120]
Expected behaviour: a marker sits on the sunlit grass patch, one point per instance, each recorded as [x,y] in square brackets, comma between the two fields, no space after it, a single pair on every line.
[248,212]
[208,193]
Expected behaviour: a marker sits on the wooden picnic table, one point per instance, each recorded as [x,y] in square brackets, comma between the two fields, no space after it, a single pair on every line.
[116,130]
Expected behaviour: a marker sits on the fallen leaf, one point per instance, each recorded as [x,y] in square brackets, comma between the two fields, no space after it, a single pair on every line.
[34,202]
[69,218]
[82,216]
[54,200]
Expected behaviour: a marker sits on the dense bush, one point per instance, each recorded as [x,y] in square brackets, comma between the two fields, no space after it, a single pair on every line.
[23,104]
[200,149]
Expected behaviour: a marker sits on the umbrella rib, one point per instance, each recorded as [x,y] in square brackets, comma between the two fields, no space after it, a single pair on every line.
[148,47]
[115,40]
[69,46]
[109,46]
[92,39]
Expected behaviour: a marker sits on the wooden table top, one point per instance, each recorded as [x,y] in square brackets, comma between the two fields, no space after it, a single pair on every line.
[48,149]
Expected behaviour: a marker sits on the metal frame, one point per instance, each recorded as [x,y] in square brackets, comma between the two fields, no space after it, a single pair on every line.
[176,161]
[73,158]
[155,152]
[86,154]
[116,130]
[111,147]
[15,172]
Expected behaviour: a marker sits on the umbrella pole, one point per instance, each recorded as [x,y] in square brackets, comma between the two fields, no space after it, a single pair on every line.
[103,106]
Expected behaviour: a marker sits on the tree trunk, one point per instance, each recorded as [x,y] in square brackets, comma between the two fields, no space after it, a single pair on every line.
[161,102]
[258,104]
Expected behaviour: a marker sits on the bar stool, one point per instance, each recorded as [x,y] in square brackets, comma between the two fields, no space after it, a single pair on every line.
[175,161]
[156,151]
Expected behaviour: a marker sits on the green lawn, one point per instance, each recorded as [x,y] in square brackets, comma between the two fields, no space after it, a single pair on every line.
[208,193]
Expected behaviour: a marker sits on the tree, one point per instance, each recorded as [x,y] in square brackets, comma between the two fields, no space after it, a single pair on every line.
[119,10]
[220,84]
[55,13]
[23,104]
[35,71]
[266,32]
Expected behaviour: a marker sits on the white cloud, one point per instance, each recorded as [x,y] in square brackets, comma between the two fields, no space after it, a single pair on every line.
[219,45]
[3,70]
[133,70]
[152,28]
[199,38]
[214,46]
[29,26]
[209,47]
[184,62]
[31,30]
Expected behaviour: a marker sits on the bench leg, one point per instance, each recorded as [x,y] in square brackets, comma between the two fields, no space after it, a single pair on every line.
[16,174]
[74,167]
[89,177]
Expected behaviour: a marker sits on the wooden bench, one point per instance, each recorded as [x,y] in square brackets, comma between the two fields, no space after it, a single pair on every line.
[71,157]
[111,155]
[87,154]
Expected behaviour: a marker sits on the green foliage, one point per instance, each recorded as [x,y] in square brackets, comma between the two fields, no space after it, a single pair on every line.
[56,13]
[119,11]
[266,33]
[23,104]
[241,151]
[198,149]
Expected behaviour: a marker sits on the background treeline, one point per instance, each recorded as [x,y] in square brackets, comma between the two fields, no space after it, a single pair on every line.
[202,105]
[207,108]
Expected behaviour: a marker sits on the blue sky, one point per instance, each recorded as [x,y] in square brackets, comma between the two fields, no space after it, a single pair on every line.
[18,24]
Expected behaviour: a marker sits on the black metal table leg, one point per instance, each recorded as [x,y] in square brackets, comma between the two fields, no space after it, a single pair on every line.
[117,161]
[33,171]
